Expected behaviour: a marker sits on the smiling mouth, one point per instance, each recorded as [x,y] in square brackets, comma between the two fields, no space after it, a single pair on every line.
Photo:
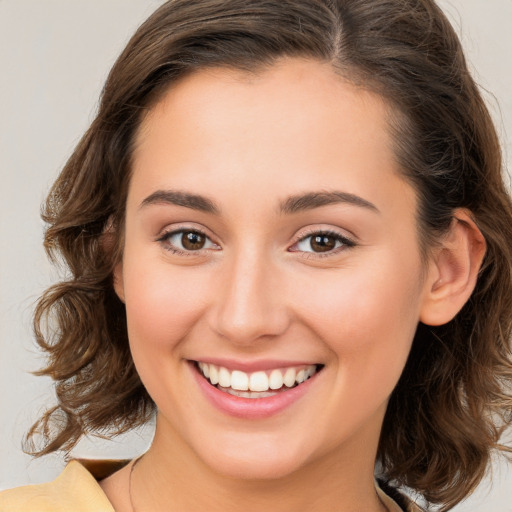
[260,384]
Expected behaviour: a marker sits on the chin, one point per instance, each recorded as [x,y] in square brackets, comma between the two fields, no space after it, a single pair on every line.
[255,459]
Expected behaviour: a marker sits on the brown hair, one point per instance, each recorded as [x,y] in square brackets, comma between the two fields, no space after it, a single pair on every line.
[453,399]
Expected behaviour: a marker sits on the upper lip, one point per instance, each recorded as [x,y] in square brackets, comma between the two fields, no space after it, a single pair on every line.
[254,365]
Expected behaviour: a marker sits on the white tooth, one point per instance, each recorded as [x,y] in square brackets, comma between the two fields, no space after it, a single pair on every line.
[224,378]
[258,381]
[311,371]
[205,369]
[289,377]
[301,376]
[275,380]
[214,374]
[239,380]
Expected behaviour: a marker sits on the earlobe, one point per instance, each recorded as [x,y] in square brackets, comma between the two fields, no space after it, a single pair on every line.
[453,271]
[118,281]
[108,243]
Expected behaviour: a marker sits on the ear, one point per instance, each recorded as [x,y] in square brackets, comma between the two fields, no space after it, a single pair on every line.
[108,246]
[453,270]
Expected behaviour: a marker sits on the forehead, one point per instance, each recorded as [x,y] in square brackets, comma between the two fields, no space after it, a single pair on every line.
[292,89]
[295,125]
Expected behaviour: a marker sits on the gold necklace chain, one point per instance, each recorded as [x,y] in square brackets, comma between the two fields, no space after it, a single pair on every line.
[135,462]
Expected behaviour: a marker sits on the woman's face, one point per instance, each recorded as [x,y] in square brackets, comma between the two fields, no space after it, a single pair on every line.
[269,237]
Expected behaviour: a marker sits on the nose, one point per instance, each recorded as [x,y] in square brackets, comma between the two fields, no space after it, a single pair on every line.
[249,305]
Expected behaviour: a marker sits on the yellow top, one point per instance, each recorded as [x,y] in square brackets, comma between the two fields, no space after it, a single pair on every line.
[76,489]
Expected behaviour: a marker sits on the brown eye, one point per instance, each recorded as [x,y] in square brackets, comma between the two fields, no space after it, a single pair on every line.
[187,240]
[192,240]
[323,243]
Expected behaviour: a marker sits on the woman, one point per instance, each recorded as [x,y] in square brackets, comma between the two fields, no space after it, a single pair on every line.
[288,236]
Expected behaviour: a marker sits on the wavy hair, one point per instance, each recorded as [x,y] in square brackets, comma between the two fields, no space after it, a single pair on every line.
[454,397]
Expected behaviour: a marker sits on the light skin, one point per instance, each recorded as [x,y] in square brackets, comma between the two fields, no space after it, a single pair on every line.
[259,164]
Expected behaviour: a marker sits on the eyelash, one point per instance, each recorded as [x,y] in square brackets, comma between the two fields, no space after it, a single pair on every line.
[346,243]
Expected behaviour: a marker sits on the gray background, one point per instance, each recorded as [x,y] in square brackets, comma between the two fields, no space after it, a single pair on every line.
[54,57]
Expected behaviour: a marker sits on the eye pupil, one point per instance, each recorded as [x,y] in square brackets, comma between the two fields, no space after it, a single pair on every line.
[323,243]
[191,240]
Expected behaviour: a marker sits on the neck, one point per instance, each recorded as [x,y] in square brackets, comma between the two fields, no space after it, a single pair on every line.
[171,477]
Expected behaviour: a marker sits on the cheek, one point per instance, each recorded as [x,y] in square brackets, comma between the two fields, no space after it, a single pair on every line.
[367,317]
[162,302]
[367,320]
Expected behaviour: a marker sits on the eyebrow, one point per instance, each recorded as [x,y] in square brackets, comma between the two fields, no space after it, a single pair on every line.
[292,204]
[178,198]
[310,200]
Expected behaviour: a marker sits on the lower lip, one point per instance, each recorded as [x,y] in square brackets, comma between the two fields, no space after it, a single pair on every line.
[250,408]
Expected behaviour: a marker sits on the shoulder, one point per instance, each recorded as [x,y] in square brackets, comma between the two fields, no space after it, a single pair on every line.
[74,489]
